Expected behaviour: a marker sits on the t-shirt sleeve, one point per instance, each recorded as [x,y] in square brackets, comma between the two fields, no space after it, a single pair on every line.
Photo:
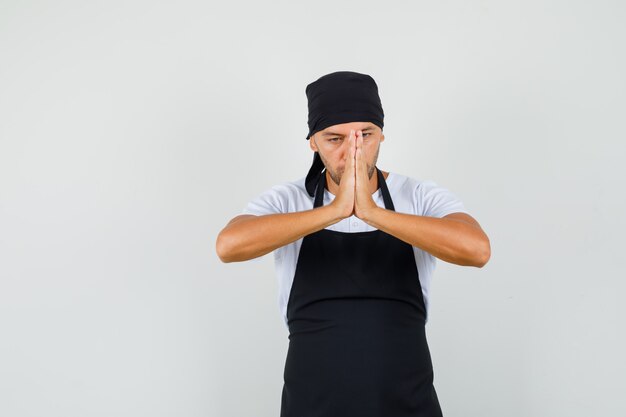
[437,201]
[268,202]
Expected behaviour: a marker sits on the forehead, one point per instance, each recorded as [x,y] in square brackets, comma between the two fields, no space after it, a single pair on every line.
[344,128]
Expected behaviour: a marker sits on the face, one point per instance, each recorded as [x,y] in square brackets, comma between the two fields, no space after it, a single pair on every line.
[332,146]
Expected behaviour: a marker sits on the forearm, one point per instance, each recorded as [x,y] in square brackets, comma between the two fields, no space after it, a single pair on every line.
[451,240]
[255,236]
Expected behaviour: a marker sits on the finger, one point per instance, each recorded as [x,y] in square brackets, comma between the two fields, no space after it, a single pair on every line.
[351,144]
[360,179]
[359,152]
[353,141]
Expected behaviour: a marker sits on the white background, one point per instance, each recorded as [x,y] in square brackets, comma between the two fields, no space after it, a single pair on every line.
[132,131]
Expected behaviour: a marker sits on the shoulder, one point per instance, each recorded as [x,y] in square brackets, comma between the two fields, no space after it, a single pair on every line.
[290,190]
[427,197]
[403,184]
[284,197]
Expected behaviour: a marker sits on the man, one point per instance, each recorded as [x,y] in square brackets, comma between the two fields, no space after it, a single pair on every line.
[354,248]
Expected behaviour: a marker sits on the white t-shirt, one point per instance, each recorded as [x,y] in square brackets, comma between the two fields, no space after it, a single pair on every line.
[409,195]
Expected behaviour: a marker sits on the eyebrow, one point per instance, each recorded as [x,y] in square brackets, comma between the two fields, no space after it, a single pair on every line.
[339,134]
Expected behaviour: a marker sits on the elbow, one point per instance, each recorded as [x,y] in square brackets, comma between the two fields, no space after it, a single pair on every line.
[484,254]
[224,248]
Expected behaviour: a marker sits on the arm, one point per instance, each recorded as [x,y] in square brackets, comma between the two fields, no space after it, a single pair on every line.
[248,236]
[456,238]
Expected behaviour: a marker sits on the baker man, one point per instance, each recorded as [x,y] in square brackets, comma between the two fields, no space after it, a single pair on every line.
[354,248]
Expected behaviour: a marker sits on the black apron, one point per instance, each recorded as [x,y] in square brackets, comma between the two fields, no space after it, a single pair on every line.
[356,319]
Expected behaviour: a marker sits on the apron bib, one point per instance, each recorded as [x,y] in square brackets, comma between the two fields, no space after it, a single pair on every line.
[356,318]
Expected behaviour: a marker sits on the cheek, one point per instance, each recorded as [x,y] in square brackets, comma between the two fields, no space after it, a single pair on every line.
[369,147]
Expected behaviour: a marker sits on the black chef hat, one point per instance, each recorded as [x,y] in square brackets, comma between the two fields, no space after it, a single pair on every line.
[335,98]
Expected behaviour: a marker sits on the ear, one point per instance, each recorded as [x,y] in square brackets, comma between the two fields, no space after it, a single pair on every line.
[312,143]
[382,137]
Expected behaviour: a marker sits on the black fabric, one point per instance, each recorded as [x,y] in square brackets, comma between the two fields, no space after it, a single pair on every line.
[336,98]
[314,174]
[356,318]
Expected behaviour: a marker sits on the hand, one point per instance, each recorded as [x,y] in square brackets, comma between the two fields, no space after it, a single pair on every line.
[344,200]
[363,202]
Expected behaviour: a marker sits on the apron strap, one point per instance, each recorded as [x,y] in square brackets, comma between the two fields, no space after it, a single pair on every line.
[319,192]
[385,191]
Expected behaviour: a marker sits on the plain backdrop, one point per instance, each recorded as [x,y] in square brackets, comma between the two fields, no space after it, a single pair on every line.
[131,132]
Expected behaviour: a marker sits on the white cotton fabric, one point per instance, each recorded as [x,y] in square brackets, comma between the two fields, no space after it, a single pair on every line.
[409,195]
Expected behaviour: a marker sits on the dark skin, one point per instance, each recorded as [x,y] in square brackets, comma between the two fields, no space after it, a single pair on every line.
[349,152]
